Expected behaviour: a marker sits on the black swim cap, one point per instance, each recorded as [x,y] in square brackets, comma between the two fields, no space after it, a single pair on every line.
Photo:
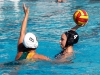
[72,38]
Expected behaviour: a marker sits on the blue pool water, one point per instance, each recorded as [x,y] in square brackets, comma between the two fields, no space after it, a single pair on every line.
[48,20]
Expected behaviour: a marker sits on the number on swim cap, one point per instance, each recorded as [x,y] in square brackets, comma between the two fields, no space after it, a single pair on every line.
[31,39]
[75,36]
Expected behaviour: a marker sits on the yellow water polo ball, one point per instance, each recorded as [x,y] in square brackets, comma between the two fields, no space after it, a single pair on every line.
[80,17]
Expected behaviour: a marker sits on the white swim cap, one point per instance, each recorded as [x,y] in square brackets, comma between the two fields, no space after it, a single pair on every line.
[30,41]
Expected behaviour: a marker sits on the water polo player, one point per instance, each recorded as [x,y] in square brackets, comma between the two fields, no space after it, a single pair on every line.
[27,43]
[68,39]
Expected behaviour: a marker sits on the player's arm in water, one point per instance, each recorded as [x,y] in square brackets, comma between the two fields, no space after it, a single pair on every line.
[22,32]
[66,55]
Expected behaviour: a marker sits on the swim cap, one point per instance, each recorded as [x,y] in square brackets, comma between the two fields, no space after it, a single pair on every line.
[72,38]
[30,41]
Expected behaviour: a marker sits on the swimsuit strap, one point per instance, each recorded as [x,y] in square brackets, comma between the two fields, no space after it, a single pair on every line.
[23,56]
[30,55]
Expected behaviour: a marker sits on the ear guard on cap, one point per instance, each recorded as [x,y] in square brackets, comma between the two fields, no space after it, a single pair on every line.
[72,38]
[30,41]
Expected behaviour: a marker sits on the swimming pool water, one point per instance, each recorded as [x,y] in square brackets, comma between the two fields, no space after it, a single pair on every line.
[48,20]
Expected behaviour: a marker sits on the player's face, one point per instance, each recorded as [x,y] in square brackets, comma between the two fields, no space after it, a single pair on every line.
[63,41]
